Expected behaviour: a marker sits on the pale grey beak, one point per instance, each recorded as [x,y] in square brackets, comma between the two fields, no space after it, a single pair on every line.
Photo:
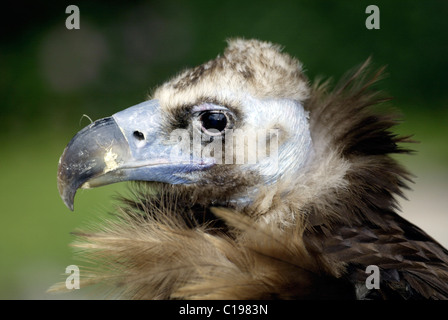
[127,146]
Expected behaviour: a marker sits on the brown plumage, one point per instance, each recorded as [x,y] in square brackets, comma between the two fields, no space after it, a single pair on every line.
[309,235]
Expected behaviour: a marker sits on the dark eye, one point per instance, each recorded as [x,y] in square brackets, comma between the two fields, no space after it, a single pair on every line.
[214,123]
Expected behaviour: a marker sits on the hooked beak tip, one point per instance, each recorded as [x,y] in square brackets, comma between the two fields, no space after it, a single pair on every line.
[65,194]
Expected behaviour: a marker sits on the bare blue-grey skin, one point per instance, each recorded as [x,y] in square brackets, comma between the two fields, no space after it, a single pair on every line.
[132,145]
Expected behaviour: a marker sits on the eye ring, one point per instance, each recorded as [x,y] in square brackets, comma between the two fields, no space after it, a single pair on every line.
[214,123]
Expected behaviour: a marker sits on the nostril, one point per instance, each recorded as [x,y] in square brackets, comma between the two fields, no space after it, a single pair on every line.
[139,136]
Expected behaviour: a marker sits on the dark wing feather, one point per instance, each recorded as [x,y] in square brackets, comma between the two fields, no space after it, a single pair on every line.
[412,264]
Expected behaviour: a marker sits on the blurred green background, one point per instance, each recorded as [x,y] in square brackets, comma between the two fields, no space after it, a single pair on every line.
[51,76]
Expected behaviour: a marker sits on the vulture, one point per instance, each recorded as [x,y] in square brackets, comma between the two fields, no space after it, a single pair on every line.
[252,182]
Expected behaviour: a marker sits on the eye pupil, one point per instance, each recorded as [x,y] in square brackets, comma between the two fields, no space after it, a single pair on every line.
[217,121]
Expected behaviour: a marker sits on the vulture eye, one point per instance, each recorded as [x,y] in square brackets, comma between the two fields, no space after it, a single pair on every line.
[138,135]
[214,123]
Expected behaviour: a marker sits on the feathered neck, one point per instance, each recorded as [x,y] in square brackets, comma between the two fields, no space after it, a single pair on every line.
[347,125]
[350,175]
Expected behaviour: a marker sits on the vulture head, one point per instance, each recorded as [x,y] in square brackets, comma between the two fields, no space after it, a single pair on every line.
[252,183]
[217,132]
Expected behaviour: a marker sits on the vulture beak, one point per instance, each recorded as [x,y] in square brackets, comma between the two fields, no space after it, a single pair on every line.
[126,146]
